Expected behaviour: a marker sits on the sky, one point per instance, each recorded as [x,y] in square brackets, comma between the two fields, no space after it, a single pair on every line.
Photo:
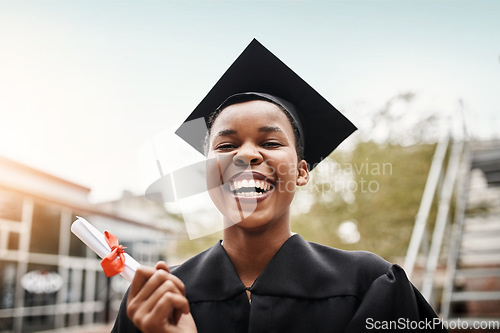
[84,84]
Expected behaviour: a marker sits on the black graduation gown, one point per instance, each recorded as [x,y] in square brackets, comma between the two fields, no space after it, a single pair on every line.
[306,287]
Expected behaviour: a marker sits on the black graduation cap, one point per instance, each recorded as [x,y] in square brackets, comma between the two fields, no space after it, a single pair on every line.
[323,127]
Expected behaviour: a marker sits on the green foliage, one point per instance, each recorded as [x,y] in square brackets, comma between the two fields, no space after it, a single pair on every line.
[382,197]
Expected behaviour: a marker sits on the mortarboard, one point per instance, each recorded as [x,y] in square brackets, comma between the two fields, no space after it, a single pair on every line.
[257,70]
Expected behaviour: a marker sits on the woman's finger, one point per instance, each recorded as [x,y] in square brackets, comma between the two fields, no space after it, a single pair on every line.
[166,287]
[152,321]
[162,265]
[152,284]
[172,305]
[156,297]
[142,274]
[178,282]
[176,313]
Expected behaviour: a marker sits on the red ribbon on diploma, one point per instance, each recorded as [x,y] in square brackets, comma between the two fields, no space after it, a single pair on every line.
[114,262]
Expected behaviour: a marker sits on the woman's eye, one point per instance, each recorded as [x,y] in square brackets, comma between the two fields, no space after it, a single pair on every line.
[225,146]
[272,144]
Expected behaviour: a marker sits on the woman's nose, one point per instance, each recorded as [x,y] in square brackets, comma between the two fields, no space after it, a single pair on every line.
[247,154]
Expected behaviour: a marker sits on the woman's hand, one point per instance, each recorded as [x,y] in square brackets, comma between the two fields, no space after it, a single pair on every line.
[157,301]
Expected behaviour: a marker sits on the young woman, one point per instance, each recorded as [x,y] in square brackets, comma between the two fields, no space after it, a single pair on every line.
[267,128]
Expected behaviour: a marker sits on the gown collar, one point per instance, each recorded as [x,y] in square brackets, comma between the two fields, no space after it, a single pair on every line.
[299,269]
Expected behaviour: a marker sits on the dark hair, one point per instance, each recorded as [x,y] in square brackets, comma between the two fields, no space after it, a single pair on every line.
[299,148]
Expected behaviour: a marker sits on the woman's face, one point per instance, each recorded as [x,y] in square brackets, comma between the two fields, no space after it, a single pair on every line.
[254,145]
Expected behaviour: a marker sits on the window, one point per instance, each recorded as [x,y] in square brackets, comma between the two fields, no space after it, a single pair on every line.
[11,206]
[45,229]
[13,241]
[7,285]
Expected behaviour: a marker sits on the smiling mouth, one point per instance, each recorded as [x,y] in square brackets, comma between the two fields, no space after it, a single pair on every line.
[248,188]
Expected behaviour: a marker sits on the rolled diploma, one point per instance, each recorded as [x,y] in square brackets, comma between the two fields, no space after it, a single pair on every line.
[96,242]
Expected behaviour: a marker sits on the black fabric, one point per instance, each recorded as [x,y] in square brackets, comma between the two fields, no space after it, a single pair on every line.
[306,287]
[122,323]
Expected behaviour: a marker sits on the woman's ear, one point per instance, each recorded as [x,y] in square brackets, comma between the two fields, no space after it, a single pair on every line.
[303,173]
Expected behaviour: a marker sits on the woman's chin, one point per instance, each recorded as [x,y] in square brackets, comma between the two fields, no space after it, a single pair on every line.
[253,221]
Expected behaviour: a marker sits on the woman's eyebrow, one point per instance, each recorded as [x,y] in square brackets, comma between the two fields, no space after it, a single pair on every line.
[269,129]
[266,129]
[226,132]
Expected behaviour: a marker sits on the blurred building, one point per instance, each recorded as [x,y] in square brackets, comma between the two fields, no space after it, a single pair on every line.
[39,253]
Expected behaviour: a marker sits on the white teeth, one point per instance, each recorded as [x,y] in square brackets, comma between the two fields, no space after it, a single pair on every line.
[248,194]
[238,184]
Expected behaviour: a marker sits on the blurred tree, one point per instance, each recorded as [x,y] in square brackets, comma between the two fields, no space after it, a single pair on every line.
[376,186]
